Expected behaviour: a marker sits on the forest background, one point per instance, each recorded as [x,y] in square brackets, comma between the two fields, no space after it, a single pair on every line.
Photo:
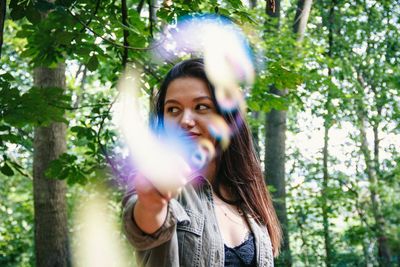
[324,112]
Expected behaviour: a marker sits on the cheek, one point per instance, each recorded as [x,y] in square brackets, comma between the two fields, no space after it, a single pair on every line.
[170,125]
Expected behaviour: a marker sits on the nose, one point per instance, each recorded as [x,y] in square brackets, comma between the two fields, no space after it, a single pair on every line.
[188,120]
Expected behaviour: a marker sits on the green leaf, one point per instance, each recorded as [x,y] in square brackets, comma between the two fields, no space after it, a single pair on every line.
[7,76]
[65,38]
[33,15]
[93,63]
[6,170]
[17,11]
[54,168]
[44,6]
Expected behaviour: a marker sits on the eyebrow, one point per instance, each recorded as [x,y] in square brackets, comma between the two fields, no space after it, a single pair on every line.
[197,99]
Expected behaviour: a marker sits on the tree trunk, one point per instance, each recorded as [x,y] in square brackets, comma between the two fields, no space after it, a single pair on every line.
[254,131]
[275,171]
[384,254]
[301,18]
[152,16]
[255,114]
[325,213]
[3,9]
[274,163]
[273,8]
[327,126]
[51,227]
[124,13]
[275,134]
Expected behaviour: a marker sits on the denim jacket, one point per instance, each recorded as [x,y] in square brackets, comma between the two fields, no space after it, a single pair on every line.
[190,235]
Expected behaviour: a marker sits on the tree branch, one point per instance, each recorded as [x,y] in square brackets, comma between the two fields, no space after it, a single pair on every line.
[102,147]
[152,18]
[113,42]
[140,6]
[3,9]
[93,14]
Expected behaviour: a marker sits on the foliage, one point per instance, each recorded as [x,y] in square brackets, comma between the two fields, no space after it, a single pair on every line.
[89,35]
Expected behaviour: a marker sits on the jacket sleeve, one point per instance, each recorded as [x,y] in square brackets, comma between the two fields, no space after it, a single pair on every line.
[143,241]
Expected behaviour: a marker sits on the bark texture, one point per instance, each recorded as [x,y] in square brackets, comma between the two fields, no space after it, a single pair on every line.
[301,18]
[275,171]
[51,229]
[275,130]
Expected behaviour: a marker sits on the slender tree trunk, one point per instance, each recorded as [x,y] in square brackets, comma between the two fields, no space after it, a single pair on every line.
[274,163]
[275,171]
[325,213]
[255,115]
[3,9]
[384,254]
[140,6]
[124,13]
[304,245]
[152,15]
[51,228]
[275,133]
[301,18]
[327,126]
[273,9]
[152,22]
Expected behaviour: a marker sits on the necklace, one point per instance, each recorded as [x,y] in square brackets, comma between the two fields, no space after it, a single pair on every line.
[226,208]
[240,220]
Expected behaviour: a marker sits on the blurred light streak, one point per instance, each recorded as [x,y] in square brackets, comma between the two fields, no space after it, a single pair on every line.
[96,239]
[227,55]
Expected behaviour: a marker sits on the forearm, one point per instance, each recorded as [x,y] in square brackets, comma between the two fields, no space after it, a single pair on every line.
[149,220]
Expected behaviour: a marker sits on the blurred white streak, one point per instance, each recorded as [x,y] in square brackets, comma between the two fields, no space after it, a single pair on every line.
[96,240]
[226,59]
[227,56]
[155,160]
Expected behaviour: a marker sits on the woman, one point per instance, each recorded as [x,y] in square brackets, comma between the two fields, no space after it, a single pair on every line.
[225,217]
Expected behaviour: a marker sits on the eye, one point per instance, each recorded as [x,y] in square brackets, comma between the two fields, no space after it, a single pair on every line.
[202,107]
[172,110]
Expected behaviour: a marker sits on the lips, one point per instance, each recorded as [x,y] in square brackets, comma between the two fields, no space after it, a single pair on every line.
[191,135]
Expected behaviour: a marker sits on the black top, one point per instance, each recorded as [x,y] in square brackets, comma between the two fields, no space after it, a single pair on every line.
[243,255]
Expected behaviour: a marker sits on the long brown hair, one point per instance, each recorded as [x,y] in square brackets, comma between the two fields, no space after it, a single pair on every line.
[239,168]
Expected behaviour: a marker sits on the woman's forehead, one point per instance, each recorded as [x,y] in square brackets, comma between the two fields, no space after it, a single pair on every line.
[187,88]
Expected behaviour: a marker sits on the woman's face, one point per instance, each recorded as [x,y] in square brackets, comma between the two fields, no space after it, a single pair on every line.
[189,109]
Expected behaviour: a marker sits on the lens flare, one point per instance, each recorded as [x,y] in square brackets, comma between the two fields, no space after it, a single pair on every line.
[168,162]
[166,170]
[203,153]
[220,130]
[230,99]
[96,237]
[227,55]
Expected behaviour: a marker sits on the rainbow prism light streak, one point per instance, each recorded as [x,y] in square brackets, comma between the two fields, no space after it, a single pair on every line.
[169,163]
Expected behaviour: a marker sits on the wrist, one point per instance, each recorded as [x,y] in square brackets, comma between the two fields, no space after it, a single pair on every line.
[151,207]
